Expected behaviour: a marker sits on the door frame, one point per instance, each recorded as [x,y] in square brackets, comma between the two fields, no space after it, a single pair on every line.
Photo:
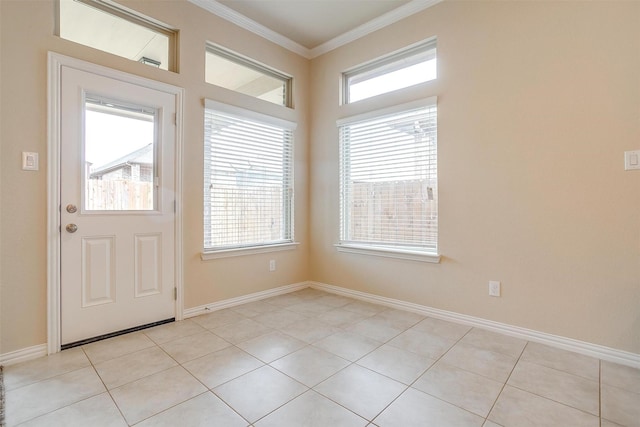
[55,63]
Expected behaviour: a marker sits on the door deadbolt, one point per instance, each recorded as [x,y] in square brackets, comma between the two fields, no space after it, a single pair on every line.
[71,228]
[72,208]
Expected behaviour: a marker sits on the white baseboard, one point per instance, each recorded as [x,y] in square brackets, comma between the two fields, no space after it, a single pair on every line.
[219,305]
[593,350]
[23,355]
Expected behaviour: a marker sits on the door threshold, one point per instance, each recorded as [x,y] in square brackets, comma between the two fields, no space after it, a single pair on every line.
[115,334]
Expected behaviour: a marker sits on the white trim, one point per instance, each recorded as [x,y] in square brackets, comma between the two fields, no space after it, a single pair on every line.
[243,114]
[395,15]
[388,252]
[228,253]
[242,21]
[119,7]
[232,302]
[594,350]
[53,202]
[23,355]
[55,63]
[375,24]
[417,48]
[581,347]
[178,245]
[388,111]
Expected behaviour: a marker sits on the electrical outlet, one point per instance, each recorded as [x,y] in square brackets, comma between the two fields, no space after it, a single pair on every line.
[272,265]
[494,288]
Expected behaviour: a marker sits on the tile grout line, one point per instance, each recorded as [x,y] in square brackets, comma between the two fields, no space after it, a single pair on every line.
[340,329]
[539,395]
[2,397]
[105,386]
[207,389]
[351,363]
[426,370]
[235,345]
[600,392]
[264,364]
[414,381]
[72,403]
[553,400]
[156,345]
[506,381]
[246,373]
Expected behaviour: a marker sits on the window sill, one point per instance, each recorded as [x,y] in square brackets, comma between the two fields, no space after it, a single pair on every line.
[389,253]
[228,253]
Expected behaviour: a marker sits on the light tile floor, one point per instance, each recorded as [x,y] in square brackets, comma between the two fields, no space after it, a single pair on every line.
[310,358]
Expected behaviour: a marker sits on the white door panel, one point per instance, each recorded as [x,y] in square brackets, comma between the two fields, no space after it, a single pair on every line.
[117,169]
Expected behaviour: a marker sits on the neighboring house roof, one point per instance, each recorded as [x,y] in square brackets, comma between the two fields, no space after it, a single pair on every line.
[142,156]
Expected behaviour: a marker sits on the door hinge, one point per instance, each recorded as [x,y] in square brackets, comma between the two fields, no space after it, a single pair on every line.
[175,118]
[175,294]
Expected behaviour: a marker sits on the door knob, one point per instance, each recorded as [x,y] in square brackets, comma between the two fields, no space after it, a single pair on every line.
[71,228]
[72,208]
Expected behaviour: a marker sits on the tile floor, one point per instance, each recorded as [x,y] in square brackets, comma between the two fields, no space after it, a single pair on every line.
[310,358]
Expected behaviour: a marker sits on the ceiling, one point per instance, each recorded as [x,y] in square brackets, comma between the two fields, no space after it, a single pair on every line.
[313,27]
[312,22]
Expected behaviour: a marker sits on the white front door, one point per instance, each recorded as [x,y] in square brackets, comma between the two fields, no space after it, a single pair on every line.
[117,197]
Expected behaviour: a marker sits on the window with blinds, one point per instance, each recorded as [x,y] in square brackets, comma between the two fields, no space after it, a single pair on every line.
[248,179]
[389,178]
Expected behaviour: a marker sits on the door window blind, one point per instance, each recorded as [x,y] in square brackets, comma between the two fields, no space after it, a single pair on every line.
[248,179]
[388,179]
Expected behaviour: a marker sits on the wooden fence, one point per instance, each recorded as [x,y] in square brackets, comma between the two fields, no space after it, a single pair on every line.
[119,195]
[245,215]
[393,211]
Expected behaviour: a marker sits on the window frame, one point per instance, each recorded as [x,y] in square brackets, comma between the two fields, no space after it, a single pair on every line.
[229,55]
[389,251]
[411,55]
[288,243]
[98,103]
[134,17]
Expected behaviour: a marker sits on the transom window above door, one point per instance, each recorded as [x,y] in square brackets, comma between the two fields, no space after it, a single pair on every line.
[118,30]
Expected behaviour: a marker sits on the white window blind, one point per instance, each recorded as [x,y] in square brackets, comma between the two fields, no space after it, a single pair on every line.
[248,179]
[388,178]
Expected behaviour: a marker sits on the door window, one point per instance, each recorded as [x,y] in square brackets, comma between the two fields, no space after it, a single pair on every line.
[120,166]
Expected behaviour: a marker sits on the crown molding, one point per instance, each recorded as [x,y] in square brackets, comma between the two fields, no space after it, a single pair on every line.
[375,24]
[224,12]
[242,21]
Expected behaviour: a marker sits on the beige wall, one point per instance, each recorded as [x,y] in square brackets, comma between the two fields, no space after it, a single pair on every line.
[537,101]
[27,33]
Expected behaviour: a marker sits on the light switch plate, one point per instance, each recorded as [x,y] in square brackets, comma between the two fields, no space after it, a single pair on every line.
[631,160]
[30,161]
